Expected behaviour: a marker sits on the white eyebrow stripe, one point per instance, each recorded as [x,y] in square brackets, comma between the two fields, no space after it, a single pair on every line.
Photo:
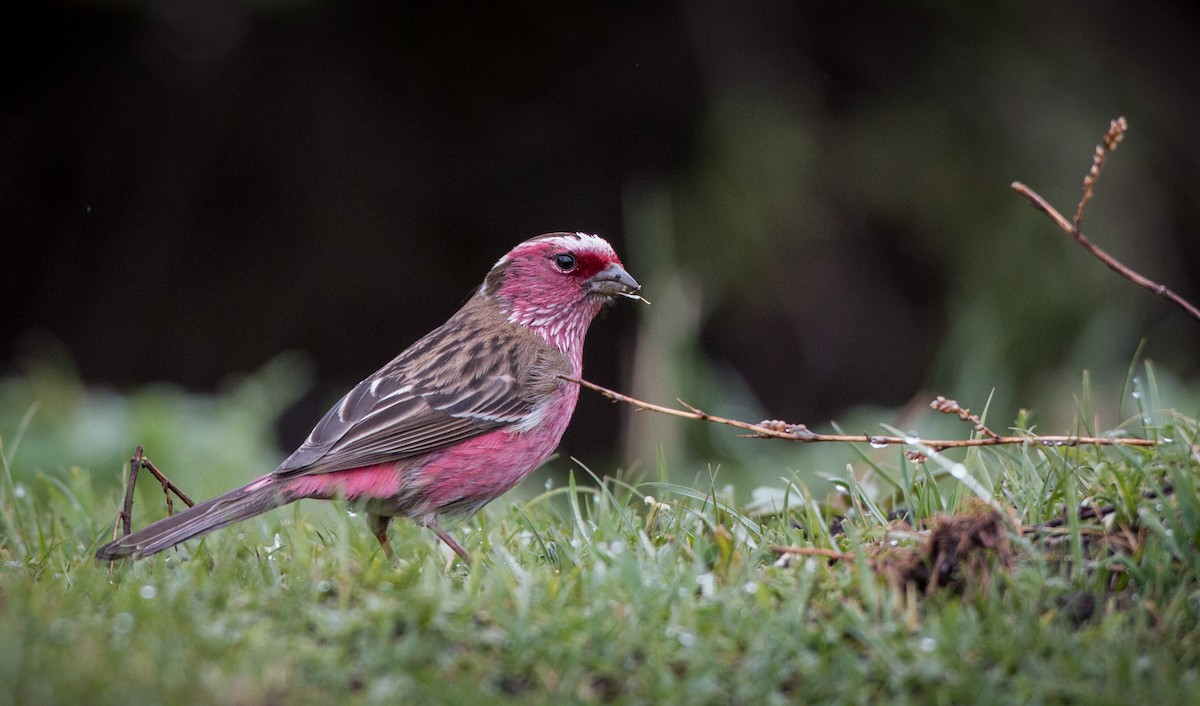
[569,241]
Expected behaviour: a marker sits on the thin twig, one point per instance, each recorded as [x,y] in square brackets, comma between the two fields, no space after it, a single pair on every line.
[1091,511]
[1112,138]
[136,463]
[125,515]
[946,406]
[773,429]
[167,485]
[1116,131]
[813,551]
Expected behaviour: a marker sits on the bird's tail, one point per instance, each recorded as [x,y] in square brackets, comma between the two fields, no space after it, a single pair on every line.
[262,495]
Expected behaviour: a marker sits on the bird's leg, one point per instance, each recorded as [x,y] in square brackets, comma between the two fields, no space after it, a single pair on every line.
[379,525]
[450,542]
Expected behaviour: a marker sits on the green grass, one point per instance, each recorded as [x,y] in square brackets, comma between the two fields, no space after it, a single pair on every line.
[587,593]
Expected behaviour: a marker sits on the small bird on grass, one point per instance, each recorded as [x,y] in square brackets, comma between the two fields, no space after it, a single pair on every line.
[453,422]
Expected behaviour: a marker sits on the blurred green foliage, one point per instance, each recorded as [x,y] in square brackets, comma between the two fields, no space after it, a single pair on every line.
[50,422]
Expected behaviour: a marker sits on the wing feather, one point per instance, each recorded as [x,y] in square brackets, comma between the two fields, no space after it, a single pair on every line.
[409,407]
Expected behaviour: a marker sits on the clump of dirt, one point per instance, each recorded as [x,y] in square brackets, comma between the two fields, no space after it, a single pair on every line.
[959,552]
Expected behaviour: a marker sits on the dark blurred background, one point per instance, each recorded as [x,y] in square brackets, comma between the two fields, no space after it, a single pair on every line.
[816,195]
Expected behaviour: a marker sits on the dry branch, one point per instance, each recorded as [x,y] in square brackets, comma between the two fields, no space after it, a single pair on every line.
[1074,229]
[774,429]
[136,463]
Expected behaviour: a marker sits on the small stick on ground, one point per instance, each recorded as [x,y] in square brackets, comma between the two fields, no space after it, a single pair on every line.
[813,551]
[775,429]
[1091,511]
[136,463]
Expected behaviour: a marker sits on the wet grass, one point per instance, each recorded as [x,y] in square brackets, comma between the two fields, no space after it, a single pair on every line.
[591,593]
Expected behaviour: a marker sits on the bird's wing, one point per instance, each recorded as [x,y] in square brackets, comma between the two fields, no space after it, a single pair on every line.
[452,385]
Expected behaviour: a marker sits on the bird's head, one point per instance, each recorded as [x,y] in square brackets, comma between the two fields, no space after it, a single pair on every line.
[556,283]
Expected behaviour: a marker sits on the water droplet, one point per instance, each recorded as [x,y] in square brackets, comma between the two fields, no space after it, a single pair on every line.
[324,587]
[927,644]
[148,592]
[910,438]
[122,623]
[1168,440]
[549,483]
[19,491]
[750,588]
[878,442]
[62,631]
[686,638]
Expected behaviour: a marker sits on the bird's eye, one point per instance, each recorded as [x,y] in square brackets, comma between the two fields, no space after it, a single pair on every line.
[565,261]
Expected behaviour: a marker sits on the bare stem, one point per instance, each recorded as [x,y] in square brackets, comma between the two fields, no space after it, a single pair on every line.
[946,406]
[1112,138]
[774,429]
[137,463]
[813,551]
[1075,229]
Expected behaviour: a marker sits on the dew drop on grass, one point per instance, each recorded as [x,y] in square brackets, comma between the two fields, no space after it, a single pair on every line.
[911,438]
[148,592]
[684,637]
[122,623]
[878,442]
[750,588]
[62,631]
[927,644]
[19,491]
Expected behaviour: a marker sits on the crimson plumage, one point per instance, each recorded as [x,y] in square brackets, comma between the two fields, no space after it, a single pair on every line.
[457,419]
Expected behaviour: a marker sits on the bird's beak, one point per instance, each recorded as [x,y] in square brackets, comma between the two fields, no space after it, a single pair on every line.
[611,282]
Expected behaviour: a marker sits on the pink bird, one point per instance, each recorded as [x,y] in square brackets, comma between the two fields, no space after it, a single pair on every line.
[453,422]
